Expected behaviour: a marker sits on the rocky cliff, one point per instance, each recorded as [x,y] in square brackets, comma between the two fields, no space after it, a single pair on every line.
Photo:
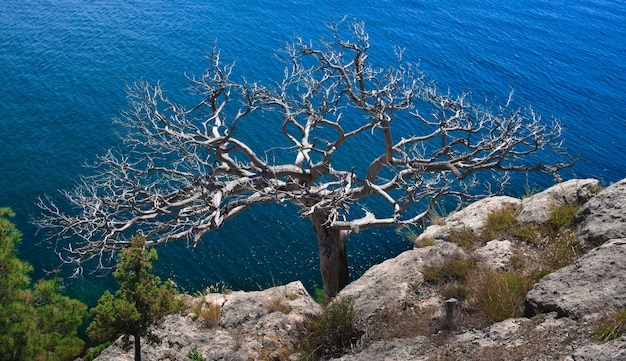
[404,306]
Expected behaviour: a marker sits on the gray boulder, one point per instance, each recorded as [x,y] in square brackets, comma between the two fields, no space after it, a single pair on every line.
[391,282]
[610,351]
[544,337]
[472,218]
[495,254]
[596,283]
[536,209]
[252,325]
[604,216]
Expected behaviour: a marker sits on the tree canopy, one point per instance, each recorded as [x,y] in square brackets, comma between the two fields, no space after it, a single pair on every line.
[361,145]
[36,321]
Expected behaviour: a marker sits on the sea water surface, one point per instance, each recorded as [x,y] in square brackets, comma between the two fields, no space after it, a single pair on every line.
[64,65]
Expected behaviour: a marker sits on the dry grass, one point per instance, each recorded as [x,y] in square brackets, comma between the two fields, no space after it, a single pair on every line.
[277,306]
[612,326]
[449,270]
[500,222]
[465,238]
[332,332]
[406,321]
[208,314]
[499,295]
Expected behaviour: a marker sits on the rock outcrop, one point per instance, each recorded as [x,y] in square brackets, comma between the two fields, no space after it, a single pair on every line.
[472,218]
[604,216]
[250,326]
[394,281]
[594,284]
[536,209]
[405,317]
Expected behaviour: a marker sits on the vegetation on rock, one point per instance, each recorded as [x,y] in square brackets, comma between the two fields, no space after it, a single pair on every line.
[332,332]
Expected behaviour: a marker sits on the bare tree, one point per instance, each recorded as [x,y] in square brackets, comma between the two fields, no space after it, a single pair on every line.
[184,171]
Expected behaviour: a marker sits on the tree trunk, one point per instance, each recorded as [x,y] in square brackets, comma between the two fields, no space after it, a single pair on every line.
[333,259]
[137,347]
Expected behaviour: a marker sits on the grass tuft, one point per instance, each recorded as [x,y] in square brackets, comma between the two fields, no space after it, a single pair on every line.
[613,326]
[500,222]
[465,238]
[209,315]
[449,271]
[277,306]
[332,332]
[499,295]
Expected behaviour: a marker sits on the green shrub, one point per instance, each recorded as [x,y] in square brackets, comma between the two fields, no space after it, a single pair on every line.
[96,351]
[318,295]
[37,322]
[141,301]
[332,332]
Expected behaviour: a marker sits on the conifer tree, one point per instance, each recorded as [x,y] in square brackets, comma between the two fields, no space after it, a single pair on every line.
[36,322]
[141,301]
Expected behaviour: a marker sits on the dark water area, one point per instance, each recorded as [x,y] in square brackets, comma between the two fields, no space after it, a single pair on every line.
[64,66]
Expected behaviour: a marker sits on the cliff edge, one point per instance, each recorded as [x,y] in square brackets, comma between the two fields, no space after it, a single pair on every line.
[425,304]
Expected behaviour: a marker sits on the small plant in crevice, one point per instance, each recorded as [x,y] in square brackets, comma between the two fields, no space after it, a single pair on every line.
[332,332]
[556,239]
[277,306]
[562,216]
[517,262]
[561,251]
[612,326]
[194,355]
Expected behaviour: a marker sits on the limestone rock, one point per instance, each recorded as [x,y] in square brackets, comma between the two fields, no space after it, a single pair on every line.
[400,314]
[544,337]
[252,325]
[495,254]
[472,218]
[415,349]
[536,209]
[604,216]
[390,282]
[595,283]
[610,351]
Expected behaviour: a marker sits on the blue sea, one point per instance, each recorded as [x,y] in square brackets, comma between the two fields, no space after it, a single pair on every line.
[64,65]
